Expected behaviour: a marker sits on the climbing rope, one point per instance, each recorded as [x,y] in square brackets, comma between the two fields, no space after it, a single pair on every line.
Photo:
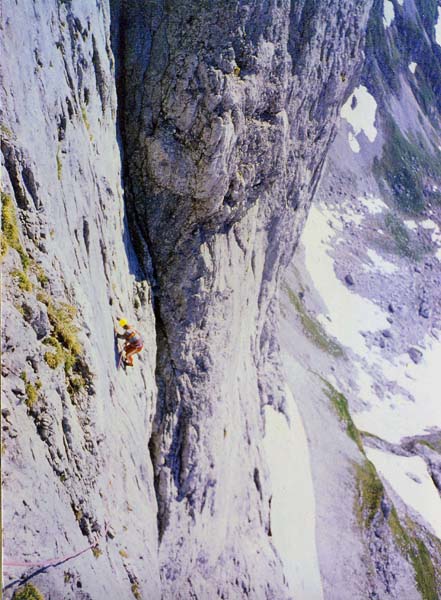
[53,562]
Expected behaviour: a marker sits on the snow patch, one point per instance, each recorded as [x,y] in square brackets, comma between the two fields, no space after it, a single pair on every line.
[374,205]
[396,417]
[408,404]
[412,67]
[429,224]
[380,264]
[340,302]
[409,478]
[293,503]
[359,111]
[388,13]
[438,27]
[412,225]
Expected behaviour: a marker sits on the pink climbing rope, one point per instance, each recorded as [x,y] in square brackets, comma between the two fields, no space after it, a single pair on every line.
[48,563]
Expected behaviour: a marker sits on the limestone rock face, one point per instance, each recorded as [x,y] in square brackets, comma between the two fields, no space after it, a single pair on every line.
[227,111]
[75,440]
[224,115]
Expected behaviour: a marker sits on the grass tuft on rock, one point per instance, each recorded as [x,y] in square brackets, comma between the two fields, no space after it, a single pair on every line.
[340,405]
[370,492]
[415,551]
[31,395]
[61,315]
[59,165]
[10,232]
[57,357]
[28,592]
[135,591]
[22,280]
[313,329]
[96,551]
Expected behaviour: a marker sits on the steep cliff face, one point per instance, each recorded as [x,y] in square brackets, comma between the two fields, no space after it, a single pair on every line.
[75,432]
[227,113]
[221,115]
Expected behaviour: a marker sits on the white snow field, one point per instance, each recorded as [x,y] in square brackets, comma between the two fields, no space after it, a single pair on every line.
[347,313]
[374,205]
[412,405]
[293,503]
[411,224]
[409,478]
[412,67]
[361,116]
[438,27]
[398,416]
[388,13]
[380,264]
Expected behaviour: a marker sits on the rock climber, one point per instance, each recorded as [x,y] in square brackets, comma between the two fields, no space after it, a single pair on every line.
[134,342]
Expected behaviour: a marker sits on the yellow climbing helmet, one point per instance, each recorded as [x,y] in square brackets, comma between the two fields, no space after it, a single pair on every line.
[123,322]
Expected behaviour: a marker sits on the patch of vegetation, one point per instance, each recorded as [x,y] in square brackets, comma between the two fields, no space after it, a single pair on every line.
[22,280]
[86,122]
[28,592]
[66,348]
[428,444]
[404,245]
[76,384]
[415,550]
[41,275]
[236,71]
[31,395]
[5,131]
[370,492]
[135,591]
[96,551]
[10,233]
[313,329]
[61,316]
[427,10]
[403,165]
[31,390]
[124,554]
[57,357]
[59,164]
[78,513]
[382,58]
[340,405]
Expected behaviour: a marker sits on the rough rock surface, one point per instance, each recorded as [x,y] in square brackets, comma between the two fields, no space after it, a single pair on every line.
[75,444]
[227,114]
[217,117]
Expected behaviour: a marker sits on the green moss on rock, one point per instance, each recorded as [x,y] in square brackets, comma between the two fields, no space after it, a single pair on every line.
[28,592]
[370,492]
[313,329]
[22,280]
[340,405]
[10,232]
[414,550]
[61,316]
[404,164]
